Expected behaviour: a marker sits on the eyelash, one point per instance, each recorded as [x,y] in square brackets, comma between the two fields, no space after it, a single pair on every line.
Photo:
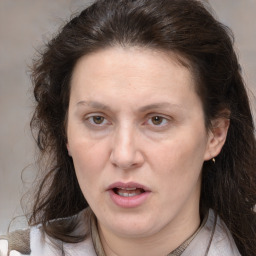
[90,119]
[163,119]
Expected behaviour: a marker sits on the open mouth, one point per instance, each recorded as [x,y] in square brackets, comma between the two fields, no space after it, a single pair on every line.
[128,192]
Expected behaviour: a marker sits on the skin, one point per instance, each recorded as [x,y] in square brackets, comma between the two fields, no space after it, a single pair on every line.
[134,115]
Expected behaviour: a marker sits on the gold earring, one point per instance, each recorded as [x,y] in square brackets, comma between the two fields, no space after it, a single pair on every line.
[213,159]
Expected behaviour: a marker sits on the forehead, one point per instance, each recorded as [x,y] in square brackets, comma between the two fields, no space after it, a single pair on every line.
[131,72]
[133,59]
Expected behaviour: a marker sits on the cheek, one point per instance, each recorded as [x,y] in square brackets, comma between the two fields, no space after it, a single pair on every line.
[89,161]
[179,160]
[178,170]
[90,158]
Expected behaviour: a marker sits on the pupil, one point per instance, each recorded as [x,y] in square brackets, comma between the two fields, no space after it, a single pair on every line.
[157,120]
[98,119]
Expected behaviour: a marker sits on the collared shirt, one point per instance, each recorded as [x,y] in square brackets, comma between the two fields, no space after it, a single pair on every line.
[211,239]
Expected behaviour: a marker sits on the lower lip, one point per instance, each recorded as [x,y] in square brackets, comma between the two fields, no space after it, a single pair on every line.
[129,202]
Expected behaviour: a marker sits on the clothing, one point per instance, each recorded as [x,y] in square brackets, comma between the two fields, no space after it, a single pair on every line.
[212,239]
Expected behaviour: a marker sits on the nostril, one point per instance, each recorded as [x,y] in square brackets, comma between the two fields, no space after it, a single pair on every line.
[127,161]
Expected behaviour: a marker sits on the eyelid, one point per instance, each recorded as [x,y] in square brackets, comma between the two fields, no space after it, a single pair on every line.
[165,117]
[106,118]
[91,115]
[160,115]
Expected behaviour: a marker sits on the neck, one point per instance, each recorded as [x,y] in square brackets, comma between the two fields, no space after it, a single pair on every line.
[161,243]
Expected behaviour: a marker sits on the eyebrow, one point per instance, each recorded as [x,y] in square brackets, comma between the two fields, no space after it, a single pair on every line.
[158,106]
[98,105]
[93,104]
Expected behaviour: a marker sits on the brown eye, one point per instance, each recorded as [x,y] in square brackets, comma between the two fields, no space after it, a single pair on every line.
[98,119]
[157,120]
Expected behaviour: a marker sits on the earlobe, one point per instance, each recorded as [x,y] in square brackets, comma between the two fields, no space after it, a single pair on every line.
[67,145]
[217,137]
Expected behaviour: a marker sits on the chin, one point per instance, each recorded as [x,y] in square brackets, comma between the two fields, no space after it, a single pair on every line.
[131,226]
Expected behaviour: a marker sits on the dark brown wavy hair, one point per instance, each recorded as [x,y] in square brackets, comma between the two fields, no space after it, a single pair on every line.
[186,28]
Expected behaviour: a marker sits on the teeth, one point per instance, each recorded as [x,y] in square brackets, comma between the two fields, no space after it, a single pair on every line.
[127,188]
[128,192]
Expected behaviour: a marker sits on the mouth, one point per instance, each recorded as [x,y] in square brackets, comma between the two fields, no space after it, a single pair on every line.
[128,192]
[128,195]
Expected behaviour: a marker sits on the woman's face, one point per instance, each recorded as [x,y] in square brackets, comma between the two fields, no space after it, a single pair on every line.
[138,140]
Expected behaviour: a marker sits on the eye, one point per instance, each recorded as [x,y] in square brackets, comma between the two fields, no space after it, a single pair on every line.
[157,121]
[97,120]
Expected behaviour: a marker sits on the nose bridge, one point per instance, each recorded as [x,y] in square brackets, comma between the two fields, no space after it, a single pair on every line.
[125,151]
[124,141]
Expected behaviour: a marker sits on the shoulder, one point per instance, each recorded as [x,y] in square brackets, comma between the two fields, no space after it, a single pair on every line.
[35,242]
[223,242]
[30,241]
[214,239]
[17,241]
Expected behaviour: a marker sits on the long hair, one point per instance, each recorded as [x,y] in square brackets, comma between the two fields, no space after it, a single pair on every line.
[186,28]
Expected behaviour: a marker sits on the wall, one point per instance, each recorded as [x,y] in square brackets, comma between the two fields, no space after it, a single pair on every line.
[24,25]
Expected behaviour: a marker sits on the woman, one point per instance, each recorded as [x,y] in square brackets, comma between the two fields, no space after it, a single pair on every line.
[146,136]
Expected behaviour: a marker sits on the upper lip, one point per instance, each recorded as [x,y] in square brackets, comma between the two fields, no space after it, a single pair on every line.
[125,185]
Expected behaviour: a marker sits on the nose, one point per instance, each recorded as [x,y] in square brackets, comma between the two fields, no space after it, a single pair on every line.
[126,153]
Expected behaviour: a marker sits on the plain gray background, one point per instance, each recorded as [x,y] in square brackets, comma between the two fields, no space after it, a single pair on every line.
[24,26]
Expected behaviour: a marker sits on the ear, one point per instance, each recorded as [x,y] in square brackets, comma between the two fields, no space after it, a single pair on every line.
[67,145]
[217,137]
